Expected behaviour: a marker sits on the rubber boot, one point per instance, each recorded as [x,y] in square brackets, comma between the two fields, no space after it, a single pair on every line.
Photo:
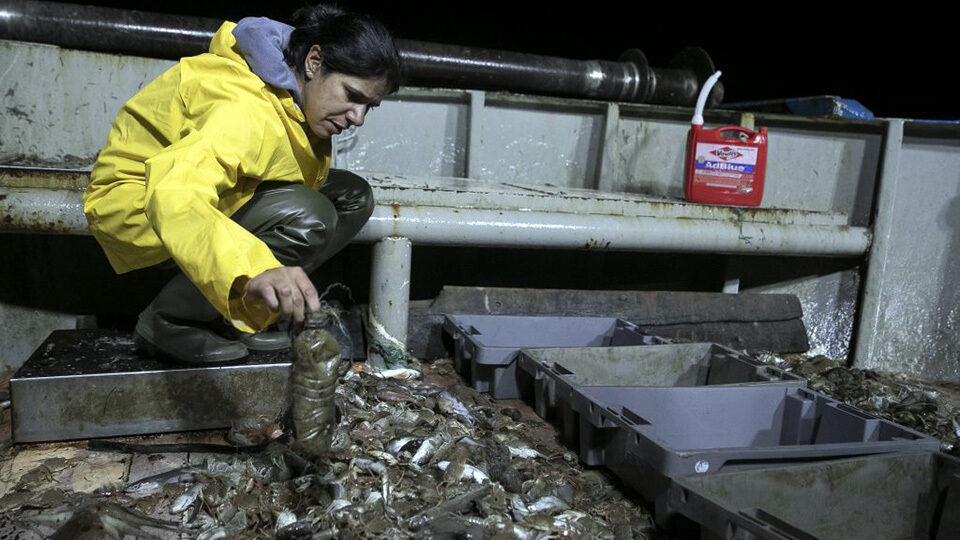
[304,228]
[177,324]
[269,339]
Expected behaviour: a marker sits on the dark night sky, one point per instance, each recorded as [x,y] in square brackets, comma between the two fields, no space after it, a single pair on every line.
[898,61]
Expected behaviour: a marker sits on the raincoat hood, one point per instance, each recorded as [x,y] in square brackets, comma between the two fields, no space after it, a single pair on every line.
[261,41]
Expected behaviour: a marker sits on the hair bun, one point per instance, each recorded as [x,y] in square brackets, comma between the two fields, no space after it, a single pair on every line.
[318,15]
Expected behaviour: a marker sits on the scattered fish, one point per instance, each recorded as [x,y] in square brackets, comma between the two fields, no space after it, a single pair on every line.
[524,452]
[405,374]
[426,450]
[469,471]
[99,520]
[398,445]
[337,504]
[297,530]
[407,458]
[910,402]
[448,404]
[547,504]
[187,499]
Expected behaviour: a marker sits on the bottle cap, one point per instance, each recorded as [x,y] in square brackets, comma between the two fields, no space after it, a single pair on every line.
[316,319]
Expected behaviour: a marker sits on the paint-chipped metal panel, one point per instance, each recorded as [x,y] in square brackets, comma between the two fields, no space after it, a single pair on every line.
[23,328]
[806,169]
[537,145]
[59,105]
[649,156]
[60,210]
[467,193]
[918,326]
[413,136]
[56,105]
[824,171]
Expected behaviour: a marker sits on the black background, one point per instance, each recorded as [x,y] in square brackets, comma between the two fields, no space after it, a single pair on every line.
[899,60]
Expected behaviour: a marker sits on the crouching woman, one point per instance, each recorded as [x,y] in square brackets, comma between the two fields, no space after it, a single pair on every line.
[222,165]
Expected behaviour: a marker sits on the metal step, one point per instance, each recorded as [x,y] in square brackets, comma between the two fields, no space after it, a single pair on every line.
[94,383]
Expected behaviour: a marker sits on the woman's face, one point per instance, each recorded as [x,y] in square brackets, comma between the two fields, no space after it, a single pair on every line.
[332,102]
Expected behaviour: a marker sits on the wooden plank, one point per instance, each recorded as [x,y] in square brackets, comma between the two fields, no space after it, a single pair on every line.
[641,307]
[770,322]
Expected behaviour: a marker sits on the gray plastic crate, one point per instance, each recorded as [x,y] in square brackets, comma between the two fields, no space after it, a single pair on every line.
[647,435]
[486,346]
[555,372]
[885,497]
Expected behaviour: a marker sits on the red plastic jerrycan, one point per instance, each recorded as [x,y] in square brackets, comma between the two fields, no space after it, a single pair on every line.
[726,165]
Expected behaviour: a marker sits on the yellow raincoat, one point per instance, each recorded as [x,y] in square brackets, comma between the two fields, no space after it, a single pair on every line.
[183,155]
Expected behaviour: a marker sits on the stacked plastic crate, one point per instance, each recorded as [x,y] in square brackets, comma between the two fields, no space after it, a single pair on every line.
[712,435]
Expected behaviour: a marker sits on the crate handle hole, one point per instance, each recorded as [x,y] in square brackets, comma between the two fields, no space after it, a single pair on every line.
[634,418]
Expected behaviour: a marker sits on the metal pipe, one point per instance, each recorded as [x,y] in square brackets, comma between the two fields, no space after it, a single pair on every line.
[447,226]
[390,292]
[425,64]
[109,30]
[60,211]
[631,79]
[32,210]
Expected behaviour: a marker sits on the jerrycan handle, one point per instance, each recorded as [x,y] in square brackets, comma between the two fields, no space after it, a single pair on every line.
[745,133]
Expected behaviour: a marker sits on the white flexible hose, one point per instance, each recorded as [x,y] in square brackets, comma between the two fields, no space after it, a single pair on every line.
[702,99]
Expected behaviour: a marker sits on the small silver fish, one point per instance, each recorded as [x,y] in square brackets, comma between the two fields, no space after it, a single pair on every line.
[566,518]
[512,530]
[378,468]
[469,471]
[455,469]
[426,449]
[547,504]
[397,445]
[285,518]
[186,499]
[218,533]
[448,404]
[524,452]
[404,374]
[369,465]
[518,507]
[142,489]
[468,441]
[384,457]
[337,504]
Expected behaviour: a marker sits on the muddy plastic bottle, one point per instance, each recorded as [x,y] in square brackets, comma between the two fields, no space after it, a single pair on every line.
[316,359]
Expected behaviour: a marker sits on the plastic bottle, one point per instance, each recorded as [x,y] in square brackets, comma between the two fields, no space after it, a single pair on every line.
[316,359]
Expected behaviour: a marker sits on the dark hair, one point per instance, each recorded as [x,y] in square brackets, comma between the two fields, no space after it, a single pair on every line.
[352,44]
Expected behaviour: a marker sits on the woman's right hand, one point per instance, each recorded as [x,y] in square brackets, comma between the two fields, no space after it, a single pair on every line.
[286,289]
